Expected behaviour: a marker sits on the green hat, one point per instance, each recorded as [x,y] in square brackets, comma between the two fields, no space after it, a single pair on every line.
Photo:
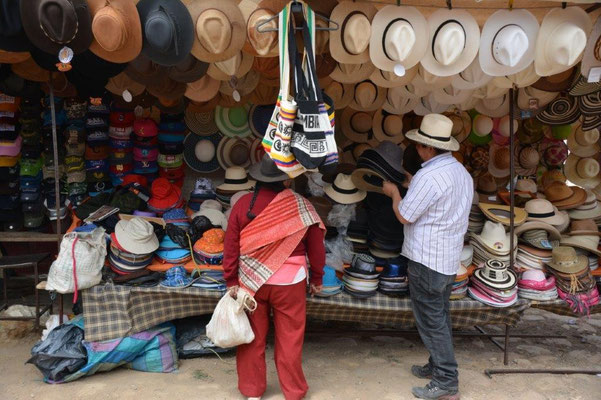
[561,132]
[233,122]
[30,167]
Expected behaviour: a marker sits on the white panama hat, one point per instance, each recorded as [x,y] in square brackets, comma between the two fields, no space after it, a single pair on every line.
[472,77]
[436,130]
[397,103]
[428,105]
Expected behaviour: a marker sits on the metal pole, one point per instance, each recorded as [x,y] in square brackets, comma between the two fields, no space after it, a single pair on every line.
[57,194]
[511,177]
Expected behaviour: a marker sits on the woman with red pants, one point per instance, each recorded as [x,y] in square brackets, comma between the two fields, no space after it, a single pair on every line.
[270,235]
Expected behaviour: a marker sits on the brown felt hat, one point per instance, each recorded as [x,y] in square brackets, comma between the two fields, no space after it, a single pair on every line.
[204,89]
[10,57]
[122,82]
[31,71]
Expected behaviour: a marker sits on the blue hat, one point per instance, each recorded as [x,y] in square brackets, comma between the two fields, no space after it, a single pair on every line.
[145,167]
[168,244]
[97,165]
[172,127]
[171,138]
[395,268]
[176,277]
[329,277]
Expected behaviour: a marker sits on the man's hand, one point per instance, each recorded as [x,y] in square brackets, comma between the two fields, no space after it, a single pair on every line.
[233,291]
[313,289]
[391,190]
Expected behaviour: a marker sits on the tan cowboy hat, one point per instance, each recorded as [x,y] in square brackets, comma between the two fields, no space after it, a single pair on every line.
[203,89]
[472,77]
[117,30]
[565,197]
[521,79]
[261,44]
[436,131]
[398,104]
[344,191]
[454,42]
[122,82]
[244,86]
[561,40]
[592,52]
[428,81]
[367,96]
[389,79]
[399,38]
[584,143]
[220,29]
[357,125]
[583,172]
[352,73]
[11,57]
[350,43]
[340,93]
[388,126]
[237,66]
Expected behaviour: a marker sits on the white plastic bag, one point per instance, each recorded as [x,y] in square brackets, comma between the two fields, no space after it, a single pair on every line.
[229,325]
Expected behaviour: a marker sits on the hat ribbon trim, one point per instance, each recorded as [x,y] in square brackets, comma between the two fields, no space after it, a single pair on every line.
[235,181]
[440,27]
[542,215]
[440,138]
[386,31]
[342,28]
[344,191]
[58,41]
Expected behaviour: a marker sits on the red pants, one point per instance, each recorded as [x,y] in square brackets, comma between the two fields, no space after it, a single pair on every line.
[288,304]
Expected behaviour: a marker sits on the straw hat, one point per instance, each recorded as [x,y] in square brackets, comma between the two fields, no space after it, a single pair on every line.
[233,122]
[526,159]
[507,42]
[398,104]
[590,209]
[462,125]
[237,65]
[349,43]
[436,131]
[264,95]
[454,42]
[493,237]
[553,153]
[340,93]
[429,81]
[357,125]
[565,197]
[583,172]
[565,260]
[352,73]
[496,276]
[399,38]
[387,126]
[201,123]
[561,40]
[236,179]
[200,152]
[244,86]
[521,79]
[584,143]
[220,29]
[203,89]
[472,77]
[136,236]
[367,96]
[344,191]
[588,243]
[561,111]
[232,152]
[411,91]
[499,160]
[389,79]
[495,107]
[450,95]
[592,54]
[255,12]
[117,30]
[559,82]
[428,105]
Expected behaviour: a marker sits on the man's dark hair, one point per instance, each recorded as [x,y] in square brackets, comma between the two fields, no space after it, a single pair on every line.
[412,162]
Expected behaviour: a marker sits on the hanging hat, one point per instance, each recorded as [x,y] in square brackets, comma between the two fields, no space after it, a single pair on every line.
[520,79]
[584,172]
[472,77]
[220,29]
[428,81]
[117,30]
[387,126]
[565,260]
[352,73]
[238,65]
[590,104]
[561,40]
[450,95]
[243,86]
[121,83]
[501,130]
[255,12]
[340,93]
[591,122]
[495,107]
[234,152]
[534,100]
[367,96]
[52,25]
[553,153]
[204,89]
[9,57]
[507,42]
[584,143]
[264,95]
[397,103]
[436,131]
[233,122]
[462,125]
[388,79]
[267,171]
[201,123]
[559,82]
[256,151]
[526,159]
[136,236]
[590,209]
[592,52]
[12,34]
[200,152]
[189,70]
[487,189]
[499,161]
[399,38]
[236,180]
[454,42]
[428,105]
[164,87]
[357,125]
[531,131]
[259,117]
[344,191]
[561,111]
[565,197]
[168,30]
[482,128]
[349,43]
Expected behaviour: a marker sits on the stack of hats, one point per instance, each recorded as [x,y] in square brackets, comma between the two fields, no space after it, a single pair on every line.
[591,209]
[331,285]
[393,278]
[539,235]
[209,279]
[476,217]
[235,180]
[534,285]
[31,192]
[208,250]
[459,290]
[146,150]
[164,196]
[77,187]
[361,278]
[10,152]
[573,279]
[97,149]
[172,132]
[584,236]
[132,246]
[203,190]
[385,238]
[171,250]
[121,160]
[382,163]
[565,197]
[358,231]
[494,284]
[492,243]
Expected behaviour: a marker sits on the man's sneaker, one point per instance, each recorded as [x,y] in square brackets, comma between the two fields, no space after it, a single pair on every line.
[433,392]
[424,372]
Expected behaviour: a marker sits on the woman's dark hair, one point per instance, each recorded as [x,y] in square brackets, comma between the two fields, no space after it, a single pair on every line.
[273,186]
[412,162]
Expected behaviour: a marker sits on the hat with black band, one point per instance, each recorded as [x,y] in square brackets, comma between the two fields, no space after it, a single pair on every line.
[344,191]
[443,139]
[236,179]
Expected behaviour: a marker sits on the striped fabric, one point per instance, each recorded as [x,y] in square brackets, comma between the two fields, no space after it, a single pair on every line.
[269,240]
[437,206]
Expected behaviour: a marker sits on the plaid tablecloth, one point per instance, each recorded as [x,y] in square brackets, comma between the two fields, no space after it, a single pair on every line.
[560,307]
[112,311]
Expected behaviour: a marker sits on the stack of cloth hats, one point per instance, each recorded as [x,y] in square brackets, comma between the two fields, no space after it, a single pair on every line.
[32,198]
[476,217]
[494,284]
[132,246]
[172,249]
[331,284]
[146,151]
[203,190]
[97,149]
[534,285]
[209,279]
[361,278]
[573,279]
[75,136]
[459,290]
[393,278]
[164,196]
[172,132]
[492,243]
[208,250]
[47,138]
[236,180]
[121,160]
[10,152]
[382,163]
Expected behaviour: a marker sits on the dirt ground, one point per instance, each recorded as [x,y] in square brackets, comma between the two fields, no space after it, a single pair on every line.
[345,367]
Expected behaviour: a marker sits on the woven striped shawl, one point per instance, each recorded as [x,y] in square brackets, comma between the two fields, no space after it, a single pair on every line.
[269,240]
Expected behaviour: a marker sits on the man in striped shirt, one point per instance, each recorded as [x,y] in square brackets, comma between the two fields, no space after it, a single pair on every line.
[435,216]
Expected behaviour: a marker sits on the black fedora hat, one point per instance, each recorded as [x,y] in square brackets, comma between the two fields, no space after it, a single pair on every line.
[53,24]
[168,31]
[12,34]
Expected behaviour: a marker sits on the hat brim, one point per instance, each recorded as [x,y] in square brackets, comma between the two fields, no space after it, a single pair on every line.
[190,157]
[578,198]
[372,106]
[489,209]
[343,198]
[226,128]
[338,15]
[451,145]
[572,174]
[433,107]
[245,66]
[580,265]
[255,172]
[534,225]
[225,146]
[379,132]
[359,73]
[497,112]
[359,179]
[350,133]
[378,78]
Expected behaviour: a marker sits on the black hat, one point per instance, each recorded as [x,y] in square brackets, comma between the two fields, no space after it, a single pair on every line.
[12,34]
[267,171]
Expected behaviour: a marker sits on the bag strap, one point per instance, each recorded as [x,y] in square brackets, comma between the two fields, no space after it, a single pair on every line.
[74,269]
[283,33]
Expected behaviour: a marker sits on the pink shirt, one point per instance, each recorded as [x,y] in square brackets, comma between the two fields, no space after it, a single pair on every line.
[293,271]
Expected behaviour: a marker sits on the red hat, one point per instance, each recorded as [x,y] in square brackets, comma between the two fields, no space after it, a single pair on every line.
[122,119]
[133,178]
[164,194]
[97,152]
[121,168]
[145,128]
[172,173]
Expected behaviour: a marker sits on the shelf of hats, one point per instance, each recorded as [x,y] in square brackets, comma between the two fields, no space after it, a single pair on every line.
[157,134]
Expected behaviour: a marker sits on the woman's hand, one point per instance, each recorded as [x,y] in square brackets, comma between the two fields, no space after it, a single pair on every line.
[233,291]
[315,289]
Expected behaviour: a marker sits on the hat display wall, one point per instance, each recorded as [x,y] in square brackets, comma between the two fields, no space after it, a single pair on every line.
[436,131]
[451,95]
[220,29]
[561,40]
[204,89]
[583,172]
[453,44]
[367,96]
[507,42]
[349,43]
[200,153]
[584,143]
[399,38]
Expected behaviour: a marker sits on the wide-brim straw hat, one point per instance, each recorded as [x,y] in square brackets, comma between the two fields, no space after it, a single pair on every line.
[584,143]
[357,125]
[429,105]
[494,108]
[565,197]
[563,110]
[427,81]
[592,52]
[457,59]
[537,225]
[352,73]
[462,125]
[203,90]
[472,77]
[397,103]
[388,126]
[236,179]
[450,95]
[261,44]
[340,93]
[526,160]
[233,122]
[435,131]
[567,261]
[200,152]
[344,191]
[560,82]
[520,80]
[201,123]
[388,79]
[589,243]
[368,180]
[233,152]
[367,96]
[212,44]
[350,42]
[236,66]
[495,275]
[584,172]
